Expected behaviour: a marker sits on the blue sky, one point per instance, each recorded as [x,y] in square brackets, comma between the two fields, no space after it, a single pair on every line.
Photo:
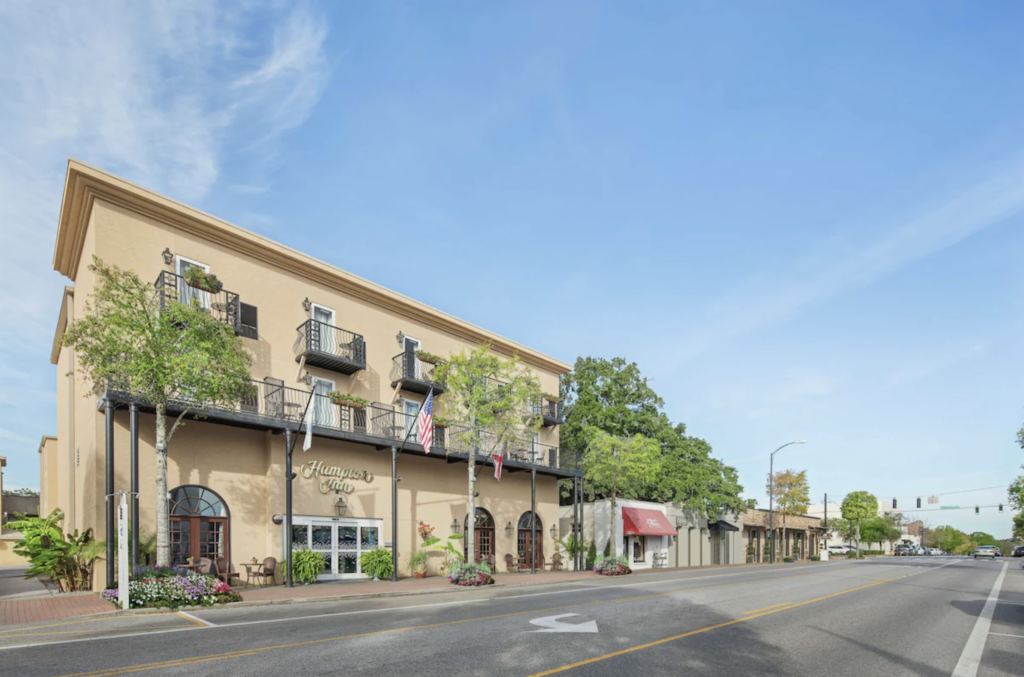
[801,220]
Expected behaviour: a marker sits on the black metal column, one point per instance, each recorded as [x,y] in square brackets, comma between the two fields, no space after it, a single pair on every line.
[133,425]
[394,512]
[578,521]
[533,520]
[289,437]
[108,410]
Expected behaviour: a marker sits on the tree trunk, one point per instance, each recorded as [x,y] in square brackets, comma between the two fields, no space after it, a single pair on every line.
[857,541]
[471,518]
[611,535]
[163,520]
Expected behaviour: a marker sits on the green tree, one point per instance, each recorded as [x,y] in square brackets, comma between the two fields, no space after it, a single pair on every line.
[981,538]
[616,464]
[844,529]
[857,507]
[792,494]
[179,352]
[948,538]
[490,397]
[22,492]
[1018,525]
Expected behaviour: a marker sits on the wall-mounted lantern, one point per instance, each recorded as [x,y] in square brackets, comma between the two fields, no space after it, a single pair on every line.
[341,506]
[400,337]
[168,256]
[509,529]
[456,527]
[277,519]
[308,378]
[306,304]
[554,532]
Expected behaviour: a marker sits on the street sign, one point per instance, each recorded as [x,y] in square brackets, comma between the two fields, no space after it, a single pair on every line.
[949,507]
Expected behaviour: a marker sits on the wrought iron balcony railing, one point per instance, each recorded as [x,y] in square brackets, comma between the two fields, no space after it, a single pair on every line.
[375,423]
[223,305]
[330,347]
[414,374]
[551,413]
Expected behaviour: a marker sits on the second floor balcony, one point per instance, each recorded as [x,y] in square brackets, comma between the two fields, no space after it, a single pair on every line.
[413,373]
[330,347]
[224,305]
[550,413]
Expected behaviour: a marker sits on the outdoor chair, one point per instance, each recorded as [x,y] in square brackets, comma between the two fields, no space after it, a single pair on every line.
[206,566]
[556,562]
[224,570]
[511,565]
[266,571]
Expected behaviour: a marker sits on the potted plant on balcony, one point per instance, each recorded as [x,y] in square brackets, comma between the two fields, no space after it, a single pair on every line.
[429,358]
[200,279]
[441,422]
[554,399]
[346,400]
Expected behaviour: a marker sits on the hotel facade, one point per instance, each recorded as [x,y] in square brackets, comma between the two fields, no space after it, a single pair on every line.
[310,328]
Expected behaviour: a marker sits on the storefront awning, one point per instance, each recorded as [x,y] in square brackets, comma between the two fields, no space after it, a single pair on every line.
[641,522]
[722,526]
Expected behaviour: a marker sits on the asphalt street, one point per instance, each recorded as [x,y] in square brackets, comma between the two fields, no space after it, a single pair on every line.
[886,616]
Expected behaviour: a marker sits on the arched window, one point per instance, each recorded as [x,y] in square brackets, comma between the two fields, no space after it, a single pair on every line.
[484,520]
[524,520]
[200,525]
[524,539]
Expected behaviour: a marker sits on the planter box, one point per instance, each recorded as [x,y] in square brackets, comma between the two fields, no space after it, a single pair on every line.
[348,403]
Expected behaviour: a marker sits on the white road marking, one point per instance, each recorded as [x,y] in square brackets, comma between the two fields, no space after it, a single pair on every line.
[970,659]
[552,624]
[1003,634]
[201,621]
[597,586]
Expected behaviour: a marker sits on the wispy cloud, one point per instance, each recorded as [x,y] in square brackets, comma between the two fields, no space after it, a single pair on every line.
[821,274]
[165,94]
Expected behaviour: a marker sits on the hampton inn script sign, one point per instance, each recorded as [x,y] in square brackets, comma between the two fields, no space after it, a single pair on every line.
[333,478]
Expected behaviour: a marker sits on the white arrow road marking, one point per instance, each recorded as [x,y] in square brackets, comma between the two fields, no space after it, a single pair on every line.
[552,624]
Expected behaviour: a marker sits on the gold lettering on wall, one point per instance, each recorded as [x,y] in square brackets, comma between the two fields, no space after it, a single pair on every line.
[332,477]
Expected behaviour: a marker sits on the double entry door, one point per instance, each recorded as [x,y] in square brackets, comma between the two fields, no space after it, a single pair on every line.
[339,540]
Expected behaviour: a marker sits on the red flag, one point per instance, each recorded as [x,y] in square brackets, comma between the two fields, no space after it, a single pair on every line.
[499,460]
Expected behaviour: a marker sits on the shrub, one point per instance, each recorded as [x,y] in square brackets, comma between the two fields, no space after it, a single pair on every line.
[307,565]
[65,558]
[469,574]
[612,566]
[608,548]
[152,572]
[592,554]
[165,590]
[788,559]
[419,560]
[815,558]
[377,563]
[853,554]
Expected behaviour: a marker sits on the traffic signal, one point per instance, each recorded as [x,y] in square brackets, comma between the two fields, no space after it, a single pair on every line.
[894,504]
[919,503]
[977,510]
[1000,507]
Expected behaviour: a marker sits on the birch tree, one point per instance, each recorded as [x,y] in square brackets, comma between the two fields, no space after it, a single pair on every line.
[489,400]
[178,354]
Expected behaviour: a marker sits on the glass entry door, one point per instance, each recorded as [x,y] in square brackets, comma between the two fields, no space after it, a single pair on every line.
[339,541]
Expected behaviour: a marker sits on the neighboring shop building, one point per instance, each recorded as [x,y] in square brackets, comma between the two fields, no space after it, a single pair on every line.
[659,534]
[310,328]
[803,538]
[12,507]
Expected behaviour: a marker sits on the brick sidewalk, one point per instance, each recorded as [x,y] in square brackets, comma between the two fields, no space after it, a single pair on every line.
[51,608]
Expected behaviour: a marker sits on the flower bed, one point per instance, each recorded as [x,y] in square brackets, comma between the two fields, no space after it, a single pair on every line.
[470,575]
[612,566]
[171,587]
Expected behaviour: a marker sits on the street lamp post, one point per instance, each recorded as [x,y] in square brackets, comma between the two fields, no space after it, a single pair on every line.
[771,500]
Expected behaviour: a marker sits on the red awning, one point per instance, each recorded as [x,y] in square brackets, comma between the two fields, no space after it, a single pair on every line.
[641,522]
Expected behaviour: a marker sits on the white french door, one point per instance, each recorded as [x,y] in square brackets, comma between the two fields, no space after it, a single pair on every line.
[186,293]
[324,411]
[325,316]
[411,409]
[339,540]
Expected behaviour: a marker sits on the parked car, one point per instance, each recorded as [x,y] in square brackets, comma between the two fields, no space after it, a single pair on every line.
[935,552]
[903,550]
[986,551]
[839,549]
[1018,551]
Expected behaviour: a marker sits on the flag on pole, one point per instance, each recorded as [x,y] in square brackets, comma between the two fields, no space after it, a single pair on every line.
[425,423]
[499,460]
[307,420]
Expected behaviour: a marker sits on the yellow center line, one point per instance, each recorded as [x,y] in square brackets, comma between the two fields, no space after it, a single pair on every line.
[178,662]
[709,628]
[755,611]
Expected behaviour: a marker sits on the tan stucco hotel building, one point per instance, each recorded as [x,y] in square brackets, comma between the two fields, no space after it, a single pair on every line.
[309,327]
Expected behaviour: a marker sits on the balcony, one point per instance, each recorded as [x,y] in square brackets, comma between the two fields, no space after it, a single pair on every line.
[550,413]
[223,305]
[413,374]
[330,347]
[273,406]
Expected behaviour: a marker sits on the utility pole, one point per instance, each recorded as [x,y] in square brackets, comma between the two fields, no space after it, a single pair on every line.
[771,498]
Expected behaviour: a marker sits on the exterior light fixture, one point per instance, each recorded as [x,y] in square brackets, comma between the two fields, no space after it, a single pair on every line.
[554,532]
[400,337]
[277,519]
[308,378]
[306,304]
[168,256]
[509,529]
[341,506]
[456,527]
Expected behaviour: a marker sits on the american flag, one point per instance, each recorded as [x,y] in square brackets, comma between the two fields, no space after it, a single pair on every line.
[425,423]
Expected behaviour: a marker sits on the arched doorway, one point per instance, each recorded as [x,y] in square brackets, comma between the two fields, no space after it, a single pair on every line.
[483,544]
[525,539]
[200,524]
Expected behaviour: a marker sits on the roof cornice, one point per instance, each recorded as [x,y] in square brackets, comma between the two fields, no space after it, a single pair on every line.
[62,325]
[85,184]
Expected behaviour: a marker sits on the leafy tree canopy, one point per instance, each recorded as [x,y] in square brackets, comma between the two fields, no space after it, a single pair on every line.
[791,491]
[859,506]
[613,396]
[23,492]
[981,538]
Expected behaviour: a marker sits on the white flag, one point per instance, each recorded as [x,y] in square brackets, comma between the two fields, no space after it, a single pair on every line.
[307,420]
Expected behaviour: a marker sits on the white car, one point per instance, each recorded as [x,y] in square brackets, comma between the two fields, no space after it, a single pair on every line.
[985,551]
[839,549]
[935,552]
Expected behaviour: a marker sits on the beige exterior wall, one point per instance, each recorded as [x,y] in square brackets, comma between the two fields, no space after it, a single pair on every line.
[246,467]
[48,475]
